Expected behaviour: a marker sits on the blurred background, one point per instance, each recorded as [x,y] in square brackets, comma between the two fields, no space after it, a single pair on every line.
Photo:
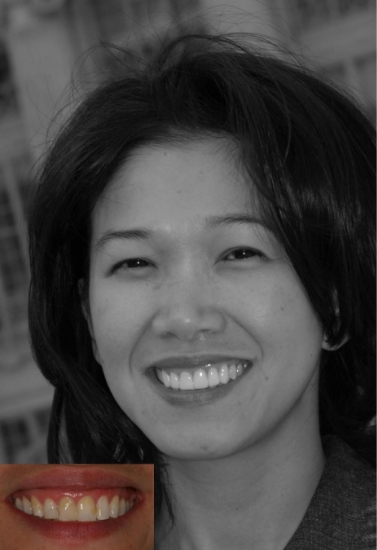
[42,42]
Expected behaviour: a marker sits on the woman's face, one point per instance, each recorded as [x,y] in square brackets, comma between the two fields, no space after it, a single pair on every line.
[55,507]
[186,279]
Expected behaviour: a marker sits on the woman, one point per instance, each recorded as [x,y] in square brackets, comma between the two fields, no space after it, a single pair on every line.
[202,296]
[101,507]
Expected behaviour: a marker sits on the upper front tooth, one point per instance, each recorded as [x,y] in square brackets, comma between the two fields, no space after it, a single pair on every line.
[37,507]
[50,509]
[67,509]
[200,379]
[18,504]
[86,509]
[186,382]
[103,508]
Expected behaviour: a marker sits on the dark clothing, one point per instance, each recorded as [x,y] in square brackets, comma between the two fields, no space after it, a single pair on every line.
[342,512]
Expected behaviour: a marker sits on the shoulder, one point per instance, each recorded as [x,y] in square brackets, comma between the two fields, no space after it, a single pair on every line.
[342,512]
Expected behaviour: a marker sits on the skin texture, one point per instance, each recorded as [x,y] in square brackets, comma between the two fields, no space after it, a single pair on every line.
[15,534]
[196,292]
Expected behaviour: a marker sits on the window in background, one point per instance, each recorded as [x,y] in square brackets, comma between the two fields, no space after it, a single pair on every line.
[311,13]
[15,191]
[8,101]
[24,438]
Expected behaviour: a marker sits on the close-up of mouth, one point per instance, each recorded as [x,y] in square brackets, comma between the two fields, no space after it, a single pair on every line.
[76,505]
[198,380]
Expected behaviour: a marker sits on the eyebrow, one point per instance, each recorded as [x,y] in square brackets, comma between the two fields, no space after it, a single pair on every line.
[210,222]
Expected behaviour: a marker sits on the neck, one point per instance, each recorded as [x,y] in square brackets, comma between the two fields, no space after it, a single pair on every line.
[255,498]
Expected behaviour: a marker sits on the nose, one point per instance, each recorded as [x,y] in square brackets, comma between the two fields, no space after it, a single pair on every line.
[187,312]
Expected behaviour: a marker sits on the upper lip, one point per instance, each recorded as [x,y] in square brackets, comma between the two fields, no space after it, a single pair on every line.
[192,361]
[73,476]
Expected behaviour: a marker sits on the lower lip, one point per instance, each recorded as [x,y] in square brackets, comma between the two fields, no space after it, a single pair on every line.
[75,534]
[195,398]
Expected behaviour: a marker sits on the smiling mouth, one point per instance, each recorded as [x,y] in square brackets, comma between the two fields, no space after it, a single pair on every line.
[89,507]
[208,376]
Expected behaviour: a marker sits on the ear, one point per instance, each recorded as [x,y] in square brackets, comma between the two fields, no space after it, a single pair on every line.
[85,308]
[325,344]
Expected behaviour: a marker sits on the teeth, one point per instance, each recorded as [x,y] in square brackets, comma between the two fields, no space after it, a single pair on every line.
[224,374]
[186,382]
[50,509]
[37,507]
[126,505]
[165,378]
[114,507]
[213,377]
[233,372]
[68,510]
[123,507]
[216,375]
[26,505]
[174,381]
[103,508]
[200,379]
[86,509]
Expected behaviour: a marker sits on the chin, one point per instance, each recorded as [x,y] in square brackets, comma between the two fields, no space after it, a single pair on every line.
[198,448]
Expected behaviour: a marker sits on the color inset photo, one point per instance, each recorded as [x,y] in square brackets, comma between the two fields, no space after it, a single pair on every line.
[91,507]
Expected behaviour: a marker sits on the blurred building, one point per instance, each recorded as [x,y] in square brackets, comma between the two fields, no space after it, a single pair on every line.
[41,43]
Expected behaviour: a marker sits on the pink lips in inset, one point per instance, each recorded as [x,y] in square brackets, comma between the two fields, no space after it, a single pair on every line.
[76,505]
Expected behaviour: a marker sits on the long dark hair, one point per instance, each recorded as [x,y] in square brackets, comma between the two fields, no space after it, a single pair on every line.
[311,153]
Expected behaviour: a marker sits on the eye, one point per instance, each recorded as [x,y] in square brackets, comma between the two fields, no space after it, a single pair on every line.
[134,264]
[243,254]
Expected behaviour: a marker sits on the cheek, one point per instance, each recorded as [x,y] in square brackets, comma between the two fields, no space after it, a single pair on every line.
[284,323]
[117,320]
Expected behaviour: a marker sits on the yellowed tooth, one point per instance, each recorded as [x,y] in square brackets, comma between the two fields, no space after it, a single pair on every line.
[50,509]
[37,507]
[86,509]
[26,506]
[122,507]
[18,504]
[114,507]
[67,509]
[103,508]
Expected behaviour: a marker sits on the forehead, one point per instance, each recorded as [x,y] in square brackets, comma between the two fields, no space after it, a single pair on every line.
[176,184]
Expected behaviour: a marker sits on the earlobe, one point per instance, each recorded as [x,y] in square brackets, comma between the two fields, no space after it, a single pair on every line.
[326,346]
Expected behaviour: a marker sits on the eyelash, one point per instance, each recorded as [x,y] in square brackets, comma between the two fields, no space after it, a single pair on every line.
[124,263]
[244,249]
